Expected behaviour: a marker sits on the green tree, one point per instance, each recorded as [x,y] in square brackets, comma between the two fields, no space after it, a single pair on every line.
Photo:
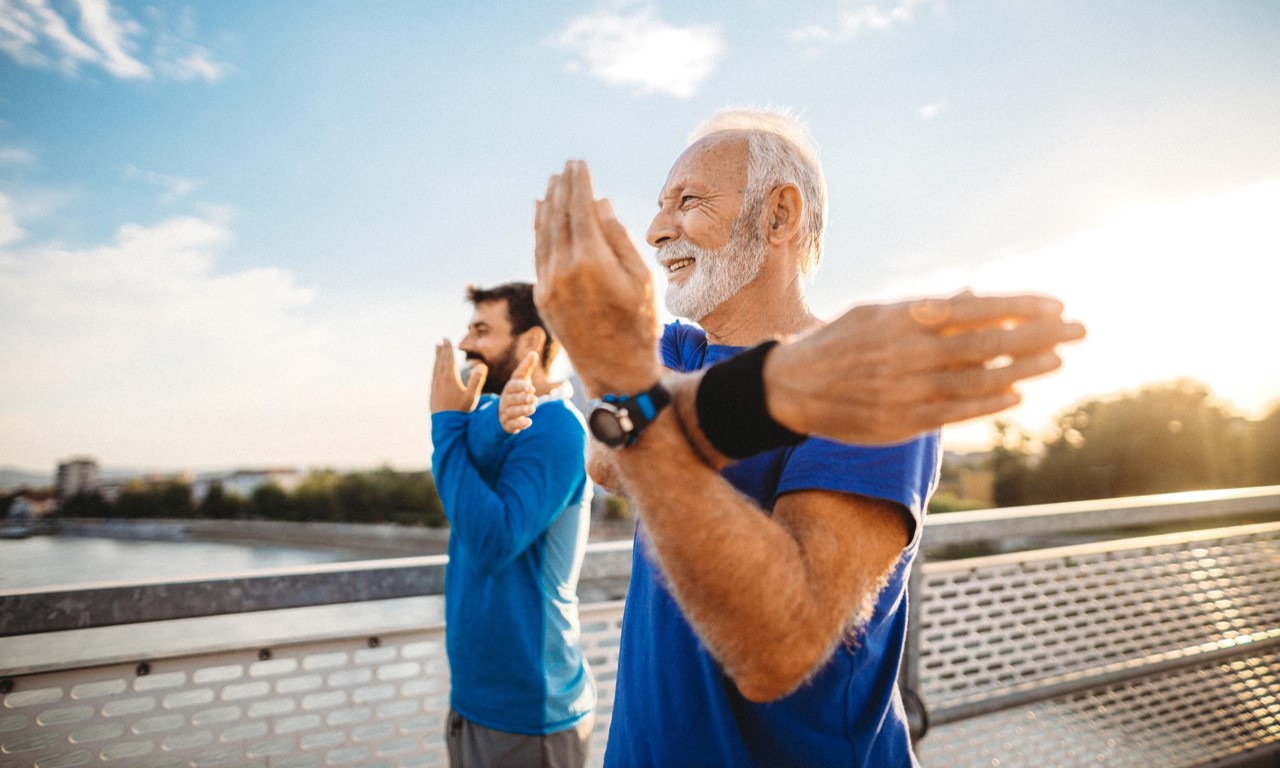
[270,502]
[149,501]
[1011,465]
[316,498]
[1168,437]
[85,505]
[217,504]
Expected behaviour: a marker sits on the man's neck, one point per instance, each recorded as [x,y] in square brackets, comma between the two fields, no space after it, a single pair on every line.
[542,383]
[755,314]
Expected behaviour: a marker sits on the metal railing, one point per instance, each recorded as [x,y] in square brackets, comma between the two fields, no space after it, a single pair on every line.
[1153,649]
[1158,649]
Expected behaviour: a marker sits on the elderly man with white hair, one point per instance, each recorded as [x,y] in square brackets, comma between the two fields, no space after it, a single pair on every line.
[766,617]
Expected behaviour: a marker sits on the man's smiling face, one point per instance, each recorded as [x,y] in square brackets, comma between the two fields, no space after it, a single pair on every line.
[706,239]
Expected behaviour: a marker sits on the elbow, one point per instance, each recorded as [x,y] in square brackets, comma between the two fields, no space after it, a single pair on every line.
[764,693]
[491,555]
[603,469]
[762,688]
[775,675]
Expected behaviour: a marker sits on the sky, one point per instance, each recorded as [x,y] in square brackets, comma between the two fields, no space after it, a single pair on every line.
[231,233]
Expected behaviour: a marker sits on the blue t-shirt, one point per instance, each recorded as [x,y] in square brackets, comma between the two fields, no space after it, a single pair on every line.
[674,705]
[519,509]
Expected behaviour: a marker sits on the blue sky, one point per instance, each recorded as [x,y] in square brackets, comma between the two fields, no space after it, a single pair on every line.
[231,232]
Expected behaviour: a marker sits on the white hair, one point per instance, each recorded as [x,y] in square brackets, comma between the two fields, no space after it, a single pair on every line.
[779,151]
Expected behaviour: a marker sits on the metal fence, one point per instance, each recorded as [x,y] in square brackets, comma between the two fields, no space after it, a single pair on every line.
[1150,650]
[1145,650]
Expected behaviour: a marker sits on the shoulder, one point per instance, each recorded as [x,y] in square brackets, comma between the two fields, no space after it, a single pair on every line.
[556,419]
[682,346]
[904,473]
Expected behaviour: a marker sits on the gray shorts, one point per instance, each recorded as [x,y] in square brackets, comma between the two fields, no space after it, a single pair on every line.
[474,746]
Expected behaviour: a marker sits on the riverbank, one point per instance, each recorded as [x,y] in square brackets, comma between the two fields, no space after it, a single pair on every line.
[373,540]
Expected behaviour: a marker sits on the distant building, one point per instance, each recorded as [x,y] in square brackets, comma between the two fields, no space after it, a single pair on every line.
[968,476]
[78,475]
[243,482]
[111,489]
[32,506]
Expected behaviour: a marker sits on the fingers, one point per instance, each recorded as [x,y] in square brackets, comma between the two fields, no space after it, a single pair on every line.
[983,345]
[524,370]
[581,205]
[557,213]
[966,309]
[518,403]
[953,412]
[475,381]
[446,364]
[620,242]
[969,383]
[542,232]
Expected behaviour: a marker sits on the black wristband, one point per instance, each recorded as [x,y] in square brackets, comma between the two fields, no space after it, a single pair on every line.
[731,407]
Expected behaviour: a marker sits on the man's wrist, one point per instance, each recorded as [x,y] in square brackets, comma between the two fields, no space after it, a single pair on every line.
[621,382]
[783,406]
[618,421]
[732,410]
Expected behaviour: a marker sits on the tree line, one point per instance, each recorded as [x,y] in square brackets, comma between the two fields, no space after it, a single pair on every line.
[380,496]
[1164,438]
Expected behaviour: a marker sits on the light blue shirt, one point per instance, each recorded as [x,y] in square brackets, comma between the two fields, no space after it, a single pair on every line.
[519,507]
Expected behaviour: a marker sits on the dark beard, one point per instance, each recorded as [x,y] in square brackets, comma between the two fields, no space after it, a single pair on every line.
[500,370]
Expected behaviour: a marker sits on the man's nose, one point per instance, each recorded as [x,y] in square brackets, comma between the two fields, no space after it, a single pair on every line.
[662,229]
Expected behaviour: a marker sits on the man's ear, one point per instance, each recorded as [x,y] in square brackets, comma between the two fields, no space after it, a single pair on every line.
[533,339]
[783,212]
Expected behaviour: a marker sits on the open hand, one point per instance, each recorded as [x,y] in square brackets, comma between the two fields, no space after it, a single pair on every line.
[883,373]
[447,390]
[593,287]
[519,400]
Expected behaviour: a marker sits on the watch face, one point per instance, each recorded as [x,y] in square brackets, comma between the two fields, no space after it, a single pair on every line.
[605,427]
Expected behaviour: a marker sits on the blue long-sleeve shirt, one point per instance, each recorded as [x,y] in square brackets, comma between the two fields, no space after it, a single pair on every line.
[519,508]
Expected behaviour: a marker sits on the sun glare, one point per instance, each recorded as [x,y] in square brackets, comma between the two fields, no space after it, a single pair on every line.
[1171,289]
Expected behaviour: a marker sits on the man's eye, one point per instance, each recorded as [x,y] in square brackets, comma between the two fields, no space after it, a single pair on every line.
[686,199]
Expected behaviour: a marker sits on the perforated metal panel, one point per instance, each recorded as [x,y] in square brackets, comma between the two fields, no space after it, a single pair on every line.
[353,702]
[1188,717]
[1163,651]
[993,624]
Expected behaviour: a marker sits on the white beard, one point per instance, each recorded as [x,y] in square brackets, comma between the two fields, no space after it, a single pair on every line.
[718,273]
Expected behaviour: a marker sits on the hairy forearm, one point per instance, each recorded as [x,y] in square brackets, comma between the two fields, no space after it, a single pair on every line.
[769,596]
[684,399]
[602,468]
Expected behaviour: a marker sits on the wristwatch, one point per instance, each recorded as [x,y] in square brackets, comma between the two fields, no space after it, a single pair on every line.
[618,420]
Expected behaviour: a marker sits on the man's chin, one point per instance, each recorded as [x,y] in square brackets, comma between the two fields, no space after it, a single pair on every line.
[687,304]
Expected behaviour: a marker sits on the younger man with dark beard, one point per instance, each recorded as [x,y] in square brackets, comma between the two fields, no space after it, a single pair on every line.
[518,505]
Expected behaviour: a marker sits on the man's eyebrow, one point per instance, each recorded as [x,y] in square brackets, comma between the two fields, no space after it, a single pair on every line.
[673,191]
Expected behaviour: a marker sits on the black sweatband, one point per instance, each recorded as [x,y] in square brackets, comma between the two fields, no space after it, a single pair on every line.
[731,407]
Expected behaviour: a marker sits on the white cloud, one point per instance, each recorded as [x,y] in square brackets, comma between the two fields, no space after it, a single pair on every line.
[196,64]
[111,32]
[16,156]
[35,34]
[28,27]
[930,111]
[1167,289]
[172,188]
[9,229]
[143,349]
[640,50]
[178,56]
[854,18]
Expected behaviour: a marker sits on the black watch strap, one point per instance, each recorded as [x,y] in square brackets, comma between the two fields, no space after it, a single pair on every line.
[619,420]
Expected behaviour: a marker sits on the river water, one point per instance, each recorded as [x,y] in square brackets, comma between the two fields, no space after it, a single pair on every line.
[61,561]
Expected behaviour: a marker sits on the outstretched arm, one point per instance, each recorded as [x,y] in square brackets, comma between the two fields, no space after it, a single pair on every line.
[878,374]
[770,596]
